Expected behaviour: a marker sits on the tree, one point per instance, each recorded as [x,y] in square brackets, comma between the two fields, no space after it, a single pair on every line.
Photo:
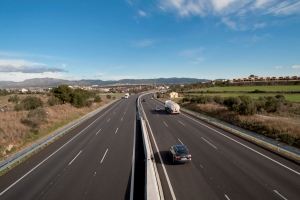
[77,100]
[63,92]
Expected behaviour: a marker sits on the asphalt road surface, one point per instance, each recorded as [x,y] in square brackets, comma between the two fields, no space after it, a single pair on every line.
[223,165]
[93,161]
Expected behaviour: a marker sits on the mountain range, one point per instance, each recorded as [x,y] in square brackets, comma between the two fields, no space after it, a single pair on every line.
[52,82]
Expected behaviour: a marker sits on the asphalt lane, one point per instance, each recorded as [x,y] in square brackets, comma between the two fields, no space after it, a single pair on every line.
[93,161]
[223,166]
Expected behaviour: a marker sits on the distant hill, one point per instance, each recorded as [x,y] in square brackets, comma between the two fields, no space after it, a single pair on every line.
[52,82]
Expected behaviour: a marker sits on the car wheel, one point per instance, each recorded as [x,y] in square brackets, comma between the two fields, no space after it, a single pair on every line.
[173,160]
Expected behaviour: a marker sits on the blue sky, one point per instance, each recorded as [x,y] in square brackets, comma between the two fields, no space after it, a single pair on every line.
[142,39]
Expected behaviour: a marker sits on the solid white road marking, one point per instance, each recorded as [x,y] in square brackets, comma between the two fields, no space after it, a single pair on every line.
[117,130]
[54,152]
[162,162]
[104,155]
[165,124]
[75,157]
[181,123]
[180,141]
[279,194]
[226,197]
[108,120]
[298,173]
[209,143]
[98,132]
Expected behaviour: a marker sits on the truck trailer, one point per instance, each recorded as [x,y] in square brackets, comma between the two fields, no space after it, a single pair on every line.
[172,107]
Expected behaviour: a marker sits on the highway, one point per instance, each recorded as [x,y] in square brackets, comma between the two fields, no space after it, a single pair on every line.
[223,165]
[93,161]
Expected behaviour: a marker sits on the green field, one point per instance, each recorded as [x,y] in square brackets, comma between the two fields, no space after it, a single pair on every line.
[276,88]
[289,97]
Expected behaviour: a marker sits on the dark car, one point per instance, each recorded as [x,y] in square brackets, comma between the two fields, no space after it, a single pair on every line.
[180,154]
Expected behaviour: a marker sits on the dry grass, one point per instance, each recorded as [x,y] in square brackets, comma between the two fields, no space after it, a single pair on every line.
[15,136]
[279,128]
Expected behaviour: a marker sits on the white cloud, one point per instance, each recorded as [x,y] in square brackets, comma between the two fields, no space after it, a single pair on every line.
[23,66]
[116,78]
[296,67]
[285,8]
[231,24]
[142,13]
[221,4]
[278,67]
[191,52]
[197,61]
[259,25]
[145,42]
[24,55]
[18,76]
[243,13]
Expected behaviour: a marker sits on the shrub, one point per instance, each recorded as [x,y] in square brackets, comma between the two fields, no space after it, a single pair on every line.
[108,96]
[232,103]
[88,103]
[202,99]
[260,104]
[97,99]
[52,101]
[247,106]
[272,104]
[14,99]
[35,118]
[19,107]
[30,103]
[218,99]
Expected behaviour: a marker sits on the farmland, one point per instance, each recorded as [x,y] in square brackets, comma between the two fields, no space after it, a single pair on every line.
[275,88]
[289,97]
[290,92]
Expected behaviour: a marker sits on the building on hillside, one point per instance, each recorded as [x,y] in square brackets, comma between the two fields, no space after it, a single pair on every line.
[23,90]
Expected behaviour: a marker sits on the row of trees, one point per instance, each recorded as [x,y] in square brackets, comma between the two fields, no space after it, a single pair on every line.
[76,97]
[244,105]
[59,95]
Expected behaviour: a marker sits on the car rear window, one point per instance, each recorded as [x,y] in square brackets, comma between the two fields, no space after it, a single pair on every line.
[182,153]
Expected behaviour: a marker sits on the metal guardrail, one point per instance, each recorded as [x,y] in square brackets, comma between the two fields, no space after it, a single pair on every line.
[266,142]
[19,156]
[152,177]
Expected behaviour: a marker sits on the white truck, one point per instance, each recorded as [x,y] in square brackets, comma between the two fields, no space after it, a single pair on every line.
[172,107]
[126,95]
